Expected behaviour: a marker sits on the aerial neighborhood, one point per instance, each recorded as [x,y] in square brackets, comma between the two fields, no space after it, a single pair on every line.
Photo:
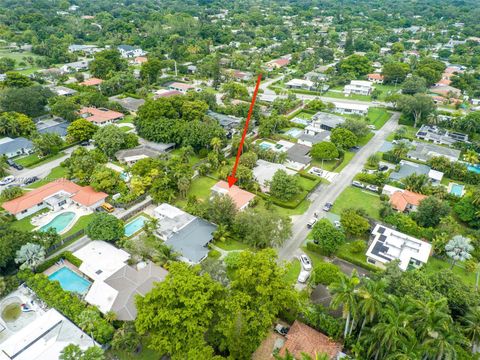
[239,180]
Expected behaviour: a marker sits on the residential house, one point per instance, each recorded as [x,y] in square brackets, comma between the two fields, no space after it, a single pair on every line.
[376,78]
[127,51]
[446,91]
[52,126]
[277,63]
[129,103]
[264,171]
[311,138]
[75,66]
[387,245]
[115,283]
[14,147]
[166,93]
[139,60]
[100,116]
[240,197]
[54,196]
[181,87]
[350,108]
[87,49]
[131,156]
[325,121]
[316,76]
[298,156]
[228,122]
[439,135]
[424,152]
[358,87]
[93,81]
[407,168]
[300,84]
[302,339]
[405,200]
[188,235]
[61,90]
[240,75]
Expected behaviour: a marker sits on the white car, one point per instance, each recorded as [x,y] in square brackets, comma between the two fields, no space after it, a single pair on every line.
[7,180]
[358,184]
[373,188]
[311,222]
[306,263]
[337,224]
[303,277]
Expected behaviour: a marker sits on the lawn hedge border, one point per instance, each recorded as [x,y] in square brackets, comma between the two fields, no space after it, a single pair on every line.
[67,255]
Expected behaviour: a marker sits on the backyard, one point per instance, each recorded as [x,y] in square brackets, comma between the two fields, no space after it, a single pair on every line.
[33,160]
[334,165]
[378,117]
[353,197]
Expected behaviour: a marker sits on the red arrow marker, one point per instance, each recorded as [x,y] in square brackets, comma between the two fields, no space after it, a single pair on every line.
[231,178]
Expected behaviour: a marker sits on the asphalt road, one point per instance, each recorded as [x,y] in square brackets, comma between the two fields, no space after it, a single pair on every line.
[328,193]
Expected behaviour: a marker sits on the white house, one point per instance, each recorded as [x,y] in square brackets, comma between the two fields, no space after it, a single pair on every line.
[127,51]
[358,87]
[350,108]
[299,84]
[388,245]
[181,87]
[14,147]
[75,66]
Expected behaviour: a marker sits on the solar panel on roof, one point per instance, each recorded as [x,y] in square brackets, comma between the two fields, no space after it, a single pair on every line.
[381,229]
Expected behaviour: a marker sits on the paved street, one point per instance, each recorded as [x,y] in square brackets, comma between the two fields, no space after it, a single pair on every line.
[328,193]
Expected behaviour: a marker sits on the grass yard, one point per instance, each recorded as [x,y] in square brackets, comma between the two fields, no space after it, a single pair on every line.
[127,119]
[340,95]
[314,257]
[81,223]
[293,271]
[353,197]
[386,90]
[435,265]
[410,133]
[30,161]
[378,117]
[304,115]
[125,128]
[56,173]
[345,252]
[346,159]
[200,187]
[332,165]
[19,58]
[364,140]
[231,244]
[24,224]
[307,184]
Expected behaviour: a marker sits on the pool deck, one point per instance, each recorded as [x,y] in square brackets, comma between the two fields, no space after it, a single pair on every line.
[46,218]
[66,263]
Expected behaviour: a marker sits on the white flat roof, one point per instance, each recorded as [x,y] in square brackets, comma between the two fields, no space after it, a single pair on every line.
[101,295]
[265,170]
[101,259]
[352,106]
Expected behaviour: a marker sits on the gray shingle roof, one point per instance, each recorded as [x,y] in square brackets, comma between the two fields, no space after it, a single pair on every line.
[15,145]
[408,168]
[298,153]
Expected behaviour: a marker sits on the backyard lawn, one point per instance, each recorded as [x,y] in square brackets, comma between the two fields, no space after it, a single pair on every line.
[24,224]
[231,244]
[353,197]
[378,117]
[435,265]
[81,223]
[340,95]
[304,115]
[56,173]
[30,161]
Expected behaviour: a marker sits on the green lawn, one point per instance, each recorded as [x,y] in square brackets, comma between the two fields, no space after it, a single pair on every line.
[24,224]
[353,197]
[386,90]
[410,133]
[331,165]
[364,140]
[18,57]
[201,186]
[293,271]
[81,223]
[30,161]
[346,159]
[340,95]
[378,117]
[125,128]
[127,119]
[345,249]
[435,264]
[314,257]
[231,244]
[304,115]
[307,184]
[56,173]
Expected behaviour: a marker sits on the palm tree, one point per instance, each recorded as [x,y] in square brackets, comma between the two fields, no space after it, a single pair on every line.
[166,253]
[216,144]
[372,296]
[458,249]
[431,318]
[471,157]
[343,294]
[471,327]
[87,321]
[415,183]
[183,185]
[110,316]
[400,149]
[221,234]
[442,345]
[475,195]
[30,256]
[3,166]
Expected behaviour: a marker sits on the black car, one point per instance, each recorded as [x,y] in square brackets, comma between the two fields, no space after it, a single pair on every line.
[327,207]
[30,180]
[383,168]
[85,143]
[10,162]
[17,166]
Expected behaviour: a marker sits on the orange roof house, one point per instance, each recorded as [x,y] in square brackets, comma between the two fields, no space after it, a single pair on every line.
[100,116]
[406,200]
[304,339]
[240,197]
[91,82]
[376,78]
[278,63]
[52,195]
[140,60]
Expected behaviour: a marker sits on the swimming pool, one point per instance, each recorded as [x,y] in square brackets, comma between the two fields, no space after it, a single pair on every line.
[456,189]
[266,145]
[474,168]
[135,225]
[70,281]
[59,222]
[294,132]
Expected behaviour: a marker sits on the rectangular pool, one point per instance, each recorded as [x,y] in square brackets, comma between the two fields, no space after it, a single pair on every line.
[456,189]
[474,168]
[135,225]
[70,281]
[294,132]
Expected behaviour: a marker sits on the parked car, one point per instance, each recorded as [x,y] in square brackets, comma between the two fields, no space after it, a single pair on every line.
[282,330]
[355,148]
[382,168]
[327,207]
[337,224]
[10,162]
[311,222]
[30,180]
[7,180]
[373,188]
[306,263]
[85,143]
[303,276]
[17,166]
[372,127]
[358,184]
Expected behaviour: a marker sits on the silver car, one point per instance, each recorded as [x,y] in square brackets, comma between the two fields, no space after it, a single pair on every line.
[303,277]
[306,263]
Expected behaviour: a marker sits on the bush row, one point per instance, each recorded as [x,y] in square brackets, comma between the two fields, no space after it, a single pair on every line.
[353,260]
[67,255]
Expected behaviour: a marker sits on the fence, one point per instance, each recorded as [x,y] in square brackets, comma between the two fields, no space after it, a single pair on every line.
[65,240]
[136,209]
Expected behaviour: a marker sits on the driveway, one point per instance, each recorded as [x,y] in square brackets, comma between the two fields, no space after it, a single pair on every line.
[328,193]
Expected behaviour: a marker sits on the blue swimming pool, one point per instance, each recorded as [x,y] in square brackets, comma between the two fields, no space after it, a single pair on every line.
[135,225]
[474,168]
[294,132]
[456,190]
[266,145]
[59,222]
[70,281]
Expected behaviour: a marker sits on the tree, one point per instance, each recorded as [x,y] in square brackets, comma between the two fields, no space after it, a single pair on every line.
[17,80]
[354,223]
[81,130]
[73,352]
[6,64]
[65,107]
[357,126]
[110,139]
[325,273]
[106,63]
[47,143]
[30,100]
[82,163]
[3,166]
[235,90]
[327,236]
[343,294]
[249,159]
[414,85]
[416,183]
[126,338]
[14,124]
[177,312]
[395,72]
[105,227]
[459,249]
[324,150]
[11,193]
[418,106]
[283,186]
[471,327]
[371,296]
[122,82]
[262,229]
[343,138]
[221,210]
[30,256]
[355,65]
[430,211]
[151,70]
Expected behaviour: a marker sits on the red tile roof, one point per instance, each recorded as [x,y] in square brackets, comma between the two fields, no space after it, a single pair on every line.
[180,85]
[83,195]
[167,93]
[375,76]
[303,339]
[240,197]
[100,115]
[401,199]
[92,82]
[140,59]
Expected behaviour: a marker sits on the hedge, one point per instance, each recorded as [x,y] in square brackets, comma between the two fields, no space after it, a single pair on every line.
[285,204]
[390,158]
[68,303]
[67,255]
[315,248]
[355,261]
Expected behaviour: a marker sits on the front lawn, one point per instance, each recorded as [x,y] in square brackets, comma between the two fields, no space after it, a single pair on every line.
[386,90]
[378,117]
[33,160]
[293,270]
[56,173]
[353,197]
[334,165]
[231,244]
[340,95]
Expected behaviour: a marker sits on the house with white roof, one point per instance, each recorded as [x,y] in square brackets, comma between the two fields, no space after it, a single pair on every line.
[128,51]
[75,66]
[350,108]
[387,245]
[264,171]
[358,87]
[180,87]
[299,84]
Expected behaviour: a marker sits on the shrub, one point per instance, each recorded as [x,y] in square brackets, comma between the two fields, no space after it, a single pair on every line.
[67,255]
[315,248]
[105,227]
[325,273]
[358,246]
[232,259]
[317,318]
[214,254]
[329,238]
